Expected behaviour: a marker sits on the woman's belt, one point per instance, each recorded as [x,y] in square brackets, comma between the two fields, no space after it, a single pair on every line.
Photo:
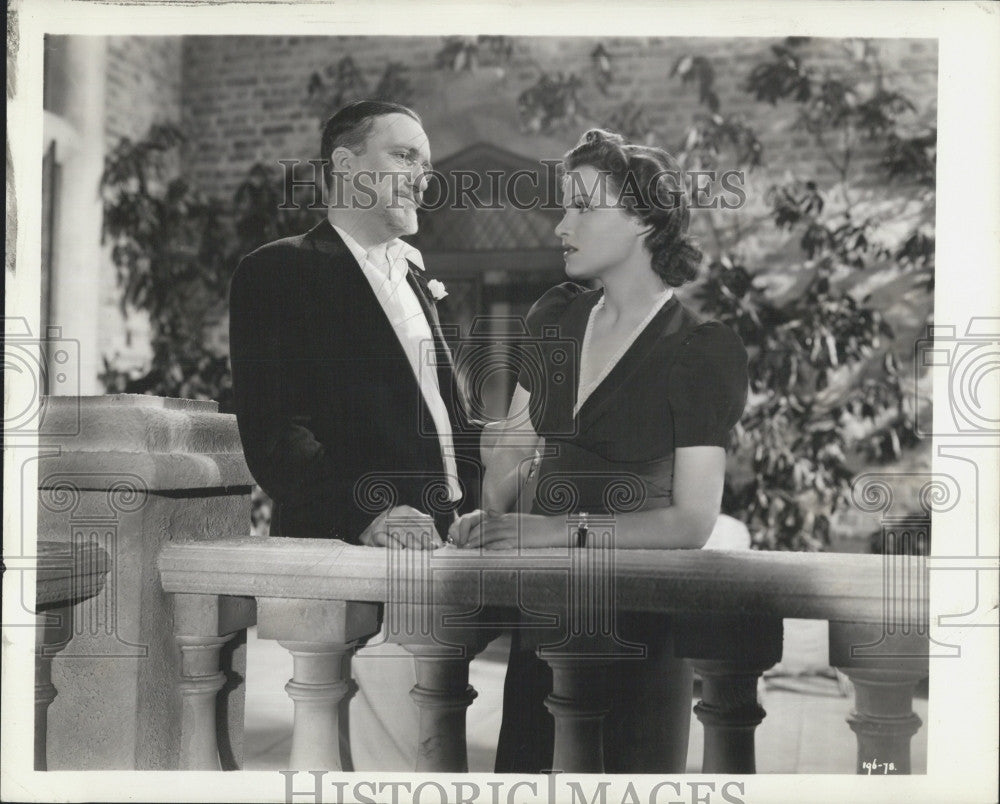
[572,479]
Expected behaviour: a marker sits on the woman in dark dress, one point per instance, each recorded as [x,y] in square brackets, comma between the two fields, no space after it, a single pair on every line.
[651,401]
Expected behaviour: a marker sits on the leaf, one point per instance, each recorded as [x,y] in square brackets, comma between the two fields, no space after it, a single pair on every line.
[894,440]
[831,348]
[682,67]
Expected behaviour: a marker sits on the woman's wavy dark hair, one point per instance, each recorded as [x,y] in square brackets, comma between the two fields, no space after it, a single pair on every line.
[650,186]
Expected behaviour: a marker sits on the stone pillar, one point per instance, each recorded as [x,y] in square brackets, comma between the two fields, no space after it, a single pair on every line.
[51,634]
[730,713]
[443,639]
[203,626]
[132,473]
[319,634]
[730,653]
[578,705]
[79,258]
[883,718]
[443,694]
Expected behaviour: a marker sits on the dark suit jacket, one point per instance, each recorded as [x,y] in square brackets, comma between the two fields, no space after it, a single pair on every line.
[333,423]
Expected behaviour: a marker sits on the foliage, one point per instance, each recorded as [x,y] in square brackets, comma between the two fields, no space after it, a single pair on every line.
[394,86]
[345,83]
[175,251]
[827,390]
[552,103]
[631,122]
[470,53]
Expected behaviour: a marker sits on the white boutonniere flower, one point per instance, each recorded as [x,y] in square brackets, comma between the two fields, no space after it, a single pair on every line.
[437,289]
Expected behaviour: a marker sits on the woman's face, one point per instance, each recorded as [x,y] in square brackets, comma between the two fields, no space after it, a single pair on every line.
[597,234]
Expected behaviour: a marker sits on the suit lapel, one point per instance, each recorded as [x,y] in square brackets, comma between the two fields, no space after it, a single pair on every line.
[323,237]
[349,281]
[423,294]
[447,383]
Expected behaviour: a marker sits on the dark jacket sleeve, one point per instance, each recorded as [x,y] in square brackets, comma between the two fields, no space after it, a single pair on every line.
[273,357]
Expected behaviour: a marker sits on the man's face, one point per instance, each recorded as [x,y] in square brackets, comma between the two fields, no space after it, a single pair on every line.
[388,179]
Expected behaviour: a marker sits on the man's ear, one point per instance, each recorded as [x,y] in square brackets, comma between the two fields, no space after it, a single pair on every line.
[342,159]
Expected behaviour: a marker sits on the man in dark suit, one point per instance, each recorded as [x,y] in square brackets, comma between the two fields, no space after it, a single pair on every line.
[345,393]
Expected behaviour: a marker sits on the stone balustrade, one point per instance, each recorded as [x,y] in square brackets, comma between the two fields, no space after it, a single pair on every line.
[320,598]
[143,548]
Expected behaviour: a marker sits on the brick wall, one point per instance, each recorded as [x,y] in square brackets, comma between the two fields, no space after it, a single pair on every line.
[246,101]
[143,86]
[246,97]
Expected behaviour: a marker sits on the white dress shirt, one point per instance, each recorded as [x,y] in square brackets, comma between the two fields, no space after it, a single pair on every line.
[385,267]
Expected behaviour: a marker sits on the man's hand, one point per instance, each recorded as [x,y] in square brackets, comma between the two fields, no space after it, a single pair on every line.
[494,531]
[401,527]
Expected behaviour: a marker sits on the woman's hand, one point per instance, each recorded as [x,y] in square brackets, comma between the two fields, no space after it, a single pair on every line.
[494,531]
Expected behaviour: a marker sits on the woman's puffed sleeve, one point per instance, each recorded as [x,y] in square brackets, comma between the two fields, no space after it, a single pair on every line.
[708,386]
[544,313]
[551,305]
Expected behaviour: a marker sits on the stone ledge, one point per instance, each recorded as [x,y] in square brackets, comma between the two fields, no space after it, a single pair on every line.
[137,423]
[713,582]
[68,573]
[143,401]
[149,472]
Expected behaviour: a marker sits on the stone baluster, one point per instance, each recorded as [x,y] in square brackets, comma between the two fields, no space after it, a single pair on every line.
[730,712]
[580,649]
[441,656]
[443,694]
[730,654]
[577,703]
[203,624]
[317,686]
[883,718]
[442,639]
[201,680]
[320,635]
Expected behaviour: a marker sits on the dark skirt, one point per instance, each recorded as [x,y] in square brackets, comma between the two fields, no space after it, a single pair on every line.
[650,701]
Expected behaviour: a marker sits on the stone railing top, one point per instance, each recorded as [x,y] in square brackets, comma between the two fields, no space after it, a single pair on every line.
[800,585]
[69,573]
[169,443]
[132,400]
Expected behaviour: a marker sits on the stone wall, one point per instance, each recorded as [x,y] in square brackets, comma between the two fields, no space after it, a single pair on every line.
[246,98]
[143,84]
